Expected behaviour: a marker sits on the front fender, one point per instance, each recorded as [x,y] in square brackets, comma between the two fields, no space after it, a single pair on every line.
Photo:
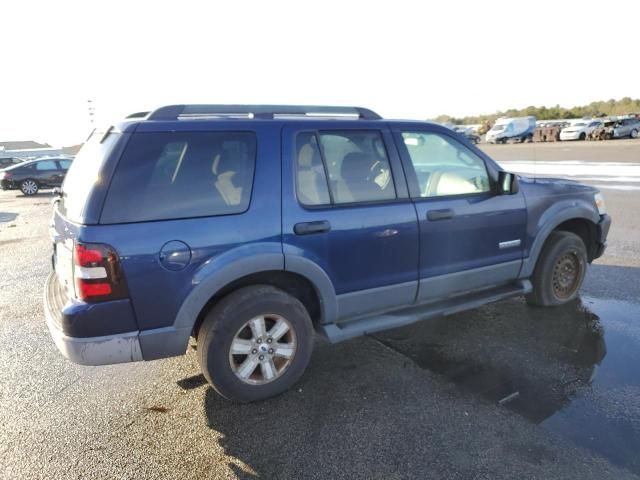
[558,213]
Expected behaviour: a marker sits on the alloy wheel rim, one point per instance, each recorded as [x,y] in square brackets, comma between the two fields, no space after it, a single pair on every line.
[262,349]
[29,187]
[566,275]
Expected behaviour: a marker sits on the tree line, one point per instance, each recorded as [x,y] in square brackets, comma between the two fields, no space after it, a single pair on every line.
[595,109]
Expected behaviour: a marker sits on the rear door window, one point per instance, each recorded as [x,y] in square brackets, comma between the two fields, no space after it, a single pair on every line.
[64,164]
[358,166]
[343,167]
[163,176]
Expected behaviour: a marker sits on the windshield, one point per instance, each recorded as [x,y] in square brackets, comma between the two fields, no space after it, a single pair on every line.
[84,173]
[498,128]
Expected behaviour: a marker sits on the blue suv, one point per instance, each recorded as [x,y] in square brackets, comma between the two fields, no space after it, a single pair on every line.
[250,228]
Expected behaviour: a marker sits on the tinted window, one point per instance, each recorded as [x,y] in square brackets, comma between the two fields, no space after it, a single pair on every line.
[64,164]
[164,176]
[46,165]
[84,173]
[357,165]
[444,166]
[311,179]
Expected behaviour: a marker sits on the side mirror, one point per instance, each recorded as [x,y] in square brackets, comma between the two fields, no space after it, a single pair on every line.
[508,183]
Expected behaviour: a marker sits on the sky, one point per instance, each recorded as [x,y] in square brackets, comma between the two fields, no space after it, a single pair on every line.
[402,59]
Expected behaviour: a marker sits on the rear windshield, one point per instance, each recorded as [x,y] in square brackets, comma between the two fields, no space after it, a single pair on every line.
[170,175]
[84,174]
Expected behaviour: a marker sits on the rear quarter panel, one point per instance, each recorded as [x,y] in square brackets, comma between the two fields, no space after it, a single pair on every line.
[157,293]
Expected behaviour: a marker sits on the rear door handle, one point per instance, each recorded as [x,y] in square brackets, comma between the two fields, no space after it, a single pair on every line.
[445,214]
[308,228]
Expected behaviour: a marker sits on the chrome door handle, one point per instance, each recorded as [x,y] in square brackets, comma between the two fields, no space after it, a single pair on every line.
[389,232]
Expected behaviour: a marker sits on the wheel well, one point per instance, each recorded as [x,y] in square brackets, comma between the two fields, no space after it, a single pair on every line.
[292,283]
[585,229]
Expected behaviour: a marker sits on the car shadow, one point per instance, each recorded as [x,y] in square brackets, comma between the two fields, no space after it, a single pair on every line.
[364,409]
[39,194]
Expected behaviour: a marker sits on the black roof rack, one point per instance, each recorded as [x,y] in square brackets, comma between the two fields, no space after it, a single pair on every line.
[138,115]
[175,112]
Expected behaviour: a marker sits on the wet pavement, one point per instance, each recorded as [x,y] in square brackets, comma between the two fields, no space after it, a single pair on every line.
[573,370]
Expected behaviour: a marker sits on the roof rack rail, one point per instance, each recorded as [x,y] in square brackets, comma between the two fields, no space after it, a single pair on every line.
[138,115]
[175,112]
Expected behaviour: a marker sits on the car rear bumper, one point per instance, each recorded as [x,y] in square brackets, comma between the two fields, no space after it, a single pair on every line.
[7,185]
[100,350]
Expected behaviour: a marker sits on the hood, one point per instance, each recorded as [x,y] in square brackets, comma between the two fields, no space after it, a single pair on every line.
[557,184]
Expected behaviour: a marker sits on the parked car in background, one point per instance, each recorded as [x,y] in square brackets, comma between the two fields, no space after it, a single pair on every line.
[579,130]
[511,129]
[30,177]
[468,134]
[250,228]
[604,131]
[8,162]
[627,127]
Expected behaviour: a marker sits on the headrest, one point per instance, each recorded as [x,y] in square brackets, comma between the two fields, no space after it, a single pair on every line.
[355,166]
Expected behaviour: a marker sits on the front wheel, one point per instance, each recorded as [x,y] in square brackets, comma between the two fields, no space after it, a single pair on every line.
[255,343]
[29,187]
[560,270]
[634,133]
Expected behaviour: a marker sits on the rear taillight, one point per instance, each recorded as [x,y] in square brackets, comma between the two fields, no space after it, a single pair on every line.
[97,273]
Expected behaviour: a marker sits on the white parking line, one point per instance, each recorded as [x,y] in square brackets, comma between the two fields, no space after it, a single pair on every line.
[616,175]
[575,169]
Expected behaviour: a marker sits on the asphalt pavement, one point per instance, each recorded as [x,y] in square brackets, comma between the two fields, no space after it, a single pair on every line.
[504,391]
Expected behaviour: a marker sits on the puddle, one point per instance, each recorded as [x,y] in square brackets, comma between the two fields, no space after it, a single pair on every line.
[7,217]
[574,370]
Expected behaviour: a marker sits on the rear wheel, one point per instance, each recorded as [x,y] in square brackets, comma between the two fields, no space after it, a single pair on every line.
[29,187]
[634,133]
[255,343]
[560,270]
[583,136]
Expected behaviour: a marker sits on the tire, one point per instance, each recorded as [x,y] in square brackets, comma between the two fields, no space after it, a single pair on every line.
[29,187]
[634,133]
[228,322]
[582,136]
[553,282]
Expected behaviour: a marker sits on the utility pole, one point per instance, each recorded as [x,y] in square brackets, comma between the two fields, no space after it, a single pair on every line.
[91,110]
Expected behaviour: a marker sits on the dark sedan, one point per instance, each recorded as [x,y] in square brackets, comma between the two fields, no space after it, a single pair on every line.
[32,176]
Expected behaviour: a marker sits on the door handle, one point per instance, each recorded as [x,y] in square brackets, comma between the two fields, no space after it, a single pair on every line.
[308,228]
[445,214]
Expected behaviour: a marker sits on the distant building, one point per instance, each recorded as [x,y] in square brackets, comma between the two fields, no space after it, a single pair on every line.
[72,150]
[27,149]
